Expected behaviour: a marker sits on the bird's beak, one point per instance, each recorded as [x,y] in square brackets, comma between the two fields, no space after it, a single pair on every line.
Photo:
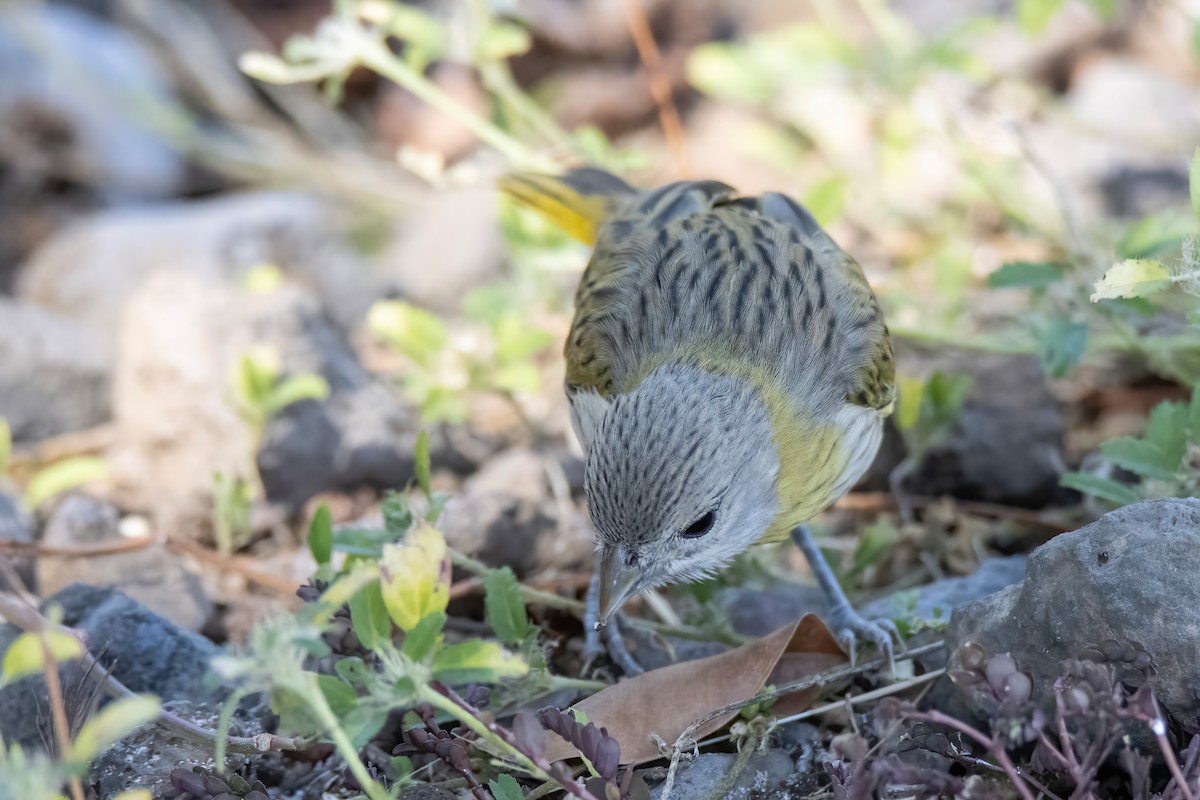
[618,580]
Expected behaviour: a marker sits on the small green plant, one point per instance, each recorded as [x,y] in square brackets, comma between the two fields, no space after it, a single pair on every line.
[260,391]
[926,411]
[393,585]
[498,352]
[54,479]
[1165,459]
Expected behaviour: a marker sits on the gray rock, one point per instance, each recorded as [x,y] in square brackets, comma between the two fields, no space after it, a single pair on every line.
[757,612]
[153,576]
[66,64]
[763,775]
[435,276]
[498,529]
[55,379]
[1129,577]
[180,338]
[1007,446]
[90,270]
[144,651]
[938,599]
[1134,192]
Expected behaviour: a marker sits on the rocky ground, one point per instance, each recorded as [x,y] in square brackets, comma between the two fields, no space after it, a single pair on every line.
[144,254]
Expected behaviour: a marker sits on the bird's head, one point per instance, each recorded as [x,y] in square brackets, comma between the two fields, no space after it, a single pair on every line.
[680,478]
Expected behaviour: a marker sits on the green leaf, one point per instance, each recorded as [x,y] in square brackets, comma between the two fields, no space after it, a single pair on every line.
[255,374]
[413,331]
[1133,277]
[1026,275]
[397,514]
[1194,182]
[112,723]
[369,617]
[826,200]
[62,476]
[1116,493]
[1140,457]
[364,542]
[1167,429]
[516,340]
[421,463]
[425,639]
[417,28]
[1107,9]
[26,654]
[320,535]
[502,40]
[1156,235]
[1034,15]
[908,402]
[305,386]
[505,787]
[340,696]
[5,445]
[476,661]
[505,607]
[1062,343]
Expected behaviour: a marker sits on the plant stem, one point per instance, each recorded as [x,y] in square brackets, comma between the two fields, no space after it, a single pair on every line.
[316,701]
[375,55]
[445,704]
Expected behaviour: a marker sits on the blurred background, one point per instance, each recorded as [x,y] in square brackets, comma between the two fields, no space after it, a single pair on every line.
[249,250]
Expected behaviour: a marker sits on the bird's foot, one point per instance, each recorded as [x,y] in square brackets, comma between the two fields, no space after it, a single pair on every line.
[607,640]
[849,628]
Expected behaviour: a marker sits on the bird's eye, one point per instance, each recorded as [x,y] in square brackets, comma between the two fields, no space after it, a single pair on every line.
[701,526]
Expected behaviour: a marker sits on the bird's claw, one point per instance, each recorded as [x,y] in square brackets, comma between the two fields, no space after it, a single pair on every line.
[848,626]
[606,639]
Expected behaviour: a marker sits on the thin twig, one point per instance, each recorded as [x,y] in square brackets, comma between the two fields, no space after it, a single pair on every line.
[865,697]
[882,501]
[660,85]
[11,547]
[242,566]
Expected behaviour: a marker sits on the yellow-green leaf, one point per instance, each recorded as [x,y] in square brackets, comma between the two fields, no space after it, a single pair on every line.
[1034,15]
[262,278]
[111,724]
[135,794]
[26,656]
[62,476]
[421,463]
[415,576]
[502,40]
[411,330]
[476,661]
[1133,277]
[305,386]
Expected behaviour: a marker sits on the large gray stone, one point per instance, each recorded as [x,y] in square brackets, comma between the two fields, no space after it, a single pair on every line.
[54,379]
[764,775]
[143,651]
[1131,577]
[181,337]
[89,270]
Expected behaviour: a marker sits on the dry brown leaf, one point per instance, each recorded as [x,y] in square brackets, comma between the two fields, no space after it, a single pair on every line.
[666,701]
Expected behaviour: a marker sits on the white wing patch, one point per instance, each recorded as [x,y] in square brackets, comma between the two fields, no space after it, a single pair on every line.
[587,409]
[862,428]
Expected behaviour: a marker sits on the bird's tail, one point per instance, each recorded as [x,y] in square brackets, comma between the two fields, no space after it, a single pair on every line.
[577,202]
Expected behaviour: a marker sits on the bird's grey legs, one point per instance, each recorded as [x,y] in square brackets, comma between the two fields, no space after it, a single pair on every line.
[608,639]
[846,624]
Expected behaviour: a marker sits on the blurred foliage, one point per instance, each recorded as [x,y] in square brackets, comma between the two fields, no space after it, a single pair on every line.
[53,479]
[393,583]
[1164,461]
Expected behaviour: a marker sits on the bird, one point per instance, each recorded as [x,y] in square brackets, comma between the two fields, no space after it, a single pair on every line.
[728,370]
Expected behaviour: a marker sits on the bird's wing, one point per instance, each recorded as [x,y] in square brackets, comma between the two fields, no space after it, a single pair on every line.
[870,377]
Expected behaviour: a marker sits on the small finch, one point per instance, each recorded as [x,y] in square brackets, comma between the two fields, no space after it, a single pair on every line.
[728,370]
